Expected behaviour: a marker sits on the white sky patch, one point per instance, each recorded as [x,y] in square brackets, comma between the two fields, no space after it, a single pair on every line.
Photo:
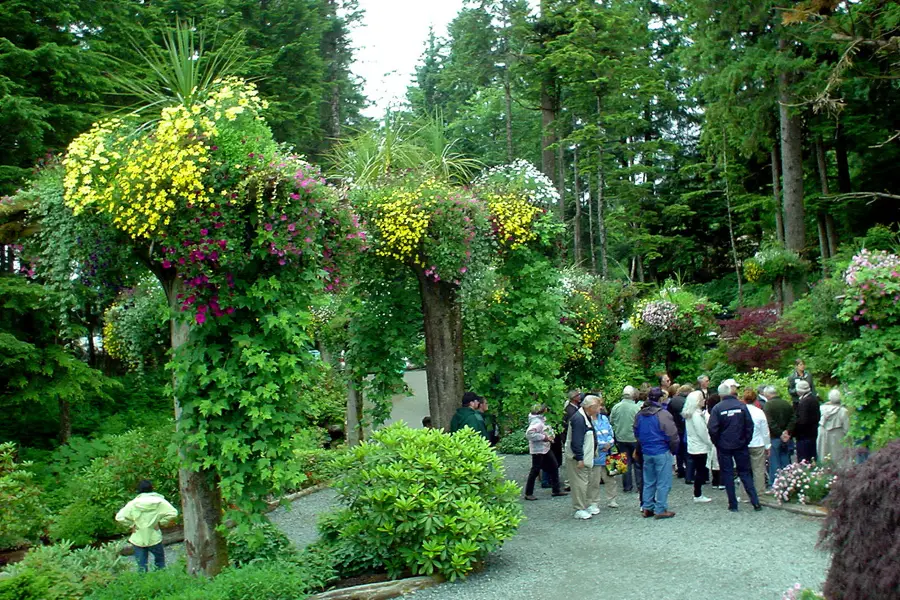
[391,41]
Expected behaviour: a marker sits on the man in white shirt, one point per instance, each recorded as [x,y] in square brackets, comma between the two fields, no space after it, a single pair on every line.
[760,444]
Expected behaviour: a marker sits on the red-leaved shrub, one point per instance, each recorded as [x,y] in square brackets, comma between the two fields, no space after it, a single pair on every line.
[758,339]
[862,530]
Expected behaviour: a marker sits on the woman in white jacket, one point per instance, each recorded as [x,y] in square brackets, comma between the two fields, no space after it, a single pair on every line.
[699,446]
[833,427]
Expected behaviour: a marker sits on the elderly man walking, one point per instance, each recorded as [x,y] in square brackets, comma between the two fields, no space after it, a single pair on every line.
[581,449]
[622,419]
[731,429]
[657,440]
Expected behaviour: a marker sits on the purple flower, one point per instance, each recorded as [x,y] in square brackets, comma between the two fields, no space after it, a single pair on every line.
[268,227]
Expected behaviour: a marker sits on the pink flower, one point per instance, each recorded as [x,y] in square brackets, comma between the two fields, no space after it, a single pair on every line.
[292,227]
[204,232]
[166,264]
[307,240]
[463,270]
[268,227]
[200,318]
[229,310]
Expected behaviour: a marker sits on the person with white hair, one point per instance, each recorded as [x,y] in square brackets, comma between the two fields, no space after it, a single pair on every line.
[833,427]
[622,419]
[731,430]
[807,429]
[703,387]
[699,446]
[581,450]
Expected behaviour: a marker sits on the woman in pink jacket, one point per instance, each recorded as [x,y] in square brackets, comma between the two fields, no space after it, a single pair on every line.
[540,436]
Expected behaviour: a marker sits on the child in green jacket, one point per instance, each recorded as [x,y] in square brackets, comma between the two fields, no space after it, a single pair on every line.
[144,515]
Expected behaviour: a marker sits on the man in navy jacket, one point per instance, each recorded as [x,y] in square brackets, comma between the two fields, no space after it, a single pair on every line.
[731,429]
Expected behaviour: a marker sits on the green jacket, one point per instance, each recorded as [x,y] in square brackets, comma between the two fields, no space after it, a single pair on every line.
[622,419]
[144,515]
[780,415]
[469,417]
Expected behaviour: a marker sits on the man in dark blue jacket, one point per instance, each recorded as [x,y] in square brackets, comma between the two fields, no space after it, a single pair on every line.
[657,440]
[731,429]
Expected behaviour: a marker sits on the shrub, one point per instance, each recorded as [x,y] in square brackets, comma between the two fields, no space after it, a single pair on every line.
[165,584]
[62,573]
[513,442]
[317,465]
[873,282]
[420,501]
[861,530]
[803,482]
[758,339]
[22,512]
[109,482]
[263,541]
[816,317]
[800,593]
[757,377]
[773,264]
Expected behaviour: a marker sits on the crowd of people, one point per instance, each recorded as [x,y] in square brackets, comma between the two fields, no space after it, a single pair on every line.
[703,435]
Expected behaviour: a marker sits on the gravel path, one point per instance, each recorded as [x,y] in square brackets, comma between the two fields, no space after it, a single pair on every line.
[704,553]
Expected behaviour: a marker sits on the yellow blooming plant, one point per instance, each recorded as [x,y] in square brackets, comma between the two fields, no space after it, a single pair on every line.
[140,176]
[512,216]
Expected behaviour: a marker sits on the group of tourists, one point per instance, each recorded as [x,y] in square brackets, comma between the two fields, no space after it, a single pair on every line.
[700,434]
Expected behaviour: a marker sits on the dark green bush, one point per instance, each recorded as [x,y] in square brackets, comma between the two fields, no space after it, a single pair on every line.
[22,511]
[26,586]
[262,542]
[513,442]
[420,501]
[61,573]
[318,465]
[98,492]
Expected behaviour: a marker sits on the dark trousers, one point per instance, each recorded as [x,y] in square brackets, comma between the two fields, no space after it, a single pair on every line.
[555,448]
[681,456]
[543,463]
[696,466]
[634,473]
[727,461]
[806,450]
[141,555]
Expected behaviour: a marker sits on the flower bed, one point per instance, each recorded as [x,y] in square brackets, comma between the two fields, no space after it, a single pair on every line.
[803,483]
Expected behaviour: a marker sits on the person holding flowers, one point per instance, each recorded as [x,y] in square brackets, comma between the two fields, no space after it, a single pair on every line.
[540,436]
[599,475]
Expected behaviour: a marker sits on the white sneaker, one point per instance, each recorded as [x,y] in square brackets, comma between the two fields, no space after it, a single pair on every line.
[593,509]
[702,499]
[582,514]
[613,504]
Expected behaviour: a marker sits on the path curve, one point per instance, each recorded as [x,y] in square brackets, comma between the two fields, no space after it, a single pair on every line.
[704,553]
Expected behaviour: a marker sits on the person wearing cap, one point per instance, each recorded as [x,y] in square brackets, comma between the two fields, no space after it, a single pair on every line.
[807,428]
[469,415]
[581,450]
[622,419]
[731,430]
[657,439]
[800,374]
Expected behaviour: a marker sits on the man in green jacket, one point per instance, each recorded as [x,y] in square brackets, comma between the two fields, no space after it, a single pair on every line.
[622,420]
[782,421]
[143,516]
[469,415]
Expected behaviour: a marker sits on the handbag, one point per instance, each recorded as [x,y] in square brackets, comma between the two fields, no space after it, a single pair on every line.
[616,462]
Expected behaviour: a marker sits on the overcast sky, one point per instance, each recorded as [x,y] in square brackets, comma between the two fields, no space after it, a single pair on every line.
[391,41]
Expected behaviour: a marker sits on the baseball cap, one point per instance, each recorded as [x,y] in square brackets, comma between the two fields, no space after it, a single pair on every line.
[732,383]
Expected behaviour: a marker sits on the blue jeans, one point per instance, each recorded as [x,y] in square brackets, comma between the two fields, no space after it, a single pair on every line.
[657,482]
[141,555]
[633,474]
[727,461]
[779,458]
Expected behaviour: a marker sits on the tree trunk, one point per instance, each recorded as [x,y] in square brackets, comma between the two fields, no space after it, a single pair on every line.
[831,230]
[65,420]
[548,133]
[823,241]
[779,296]
[821,215]
[561,178]
[354,431]
[201,497]
[640,269]
[792,172]
[507,92]
[601,216]
[576,225]
[776,194]
[443,348]
[734,254]
[843,165]
[590,207]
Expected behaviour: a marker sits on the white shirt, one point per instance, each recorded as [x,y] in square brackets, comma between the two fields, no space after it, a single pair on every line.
[698,441]
[760,428]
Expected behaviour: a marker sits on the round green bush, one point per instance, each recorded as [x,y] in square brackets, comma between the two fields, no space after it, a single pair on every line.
[420,501]
[513,442]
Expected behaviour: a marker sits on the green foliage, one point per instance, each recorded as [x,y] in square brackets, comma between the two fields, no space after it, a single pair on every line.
[135,329]
[100,490]
[513,442]
[758,377]
[317,465]
[23,515]
[420,501]
[870,369]
[520,341]
[816,316]
[264,542]
[773,264]
[61,573]
[622,369]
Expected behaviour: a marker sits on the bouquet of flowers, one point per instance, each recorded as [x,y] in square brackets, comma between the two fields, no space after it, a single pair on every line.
[616,462]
